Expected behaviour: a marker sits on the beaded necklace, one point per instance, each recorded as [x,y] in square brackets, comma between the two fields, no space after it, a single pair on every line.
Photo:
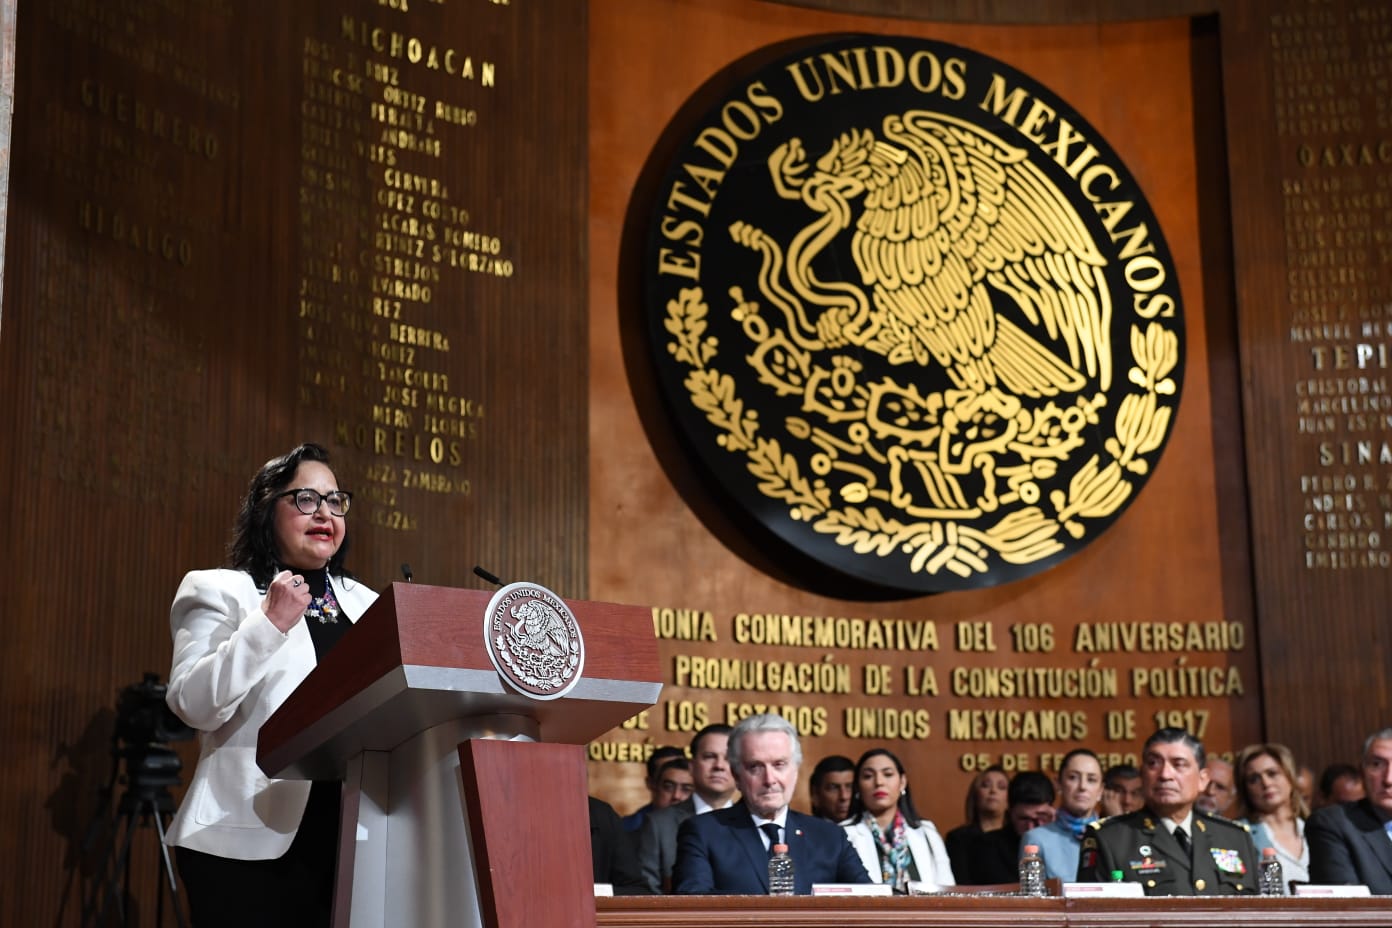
[324,608]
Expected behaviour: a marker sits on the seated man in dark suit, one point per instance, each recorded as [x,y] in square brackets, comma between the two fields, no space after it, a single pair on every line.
[714,789]
[1351,843]
[615,861]
[1171,847]
[727,851]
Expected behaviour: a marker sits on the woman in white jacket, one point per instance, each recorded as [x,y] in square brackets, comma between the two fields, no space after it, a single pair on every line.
[252,850]
[894,843]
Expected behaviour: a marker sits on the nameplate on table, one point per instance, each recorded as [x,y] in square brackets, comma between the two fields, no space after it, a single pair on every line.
[852,889]
[1102,890]
[1345,892]
[603,889]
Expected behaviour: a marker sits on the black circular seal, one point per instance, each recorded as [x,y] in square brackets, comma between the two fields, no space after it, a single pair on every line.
[909,311]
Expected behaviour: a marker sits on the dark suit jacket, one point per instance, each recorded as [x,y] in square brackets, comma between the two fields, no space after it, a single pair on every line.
[1348,845]
[615,860]
[1222,862]
[987,856]
[657,842]
[722,852]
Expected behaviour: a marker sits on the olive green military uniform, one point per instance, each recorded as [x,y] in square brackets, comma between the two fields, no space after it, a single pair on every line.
[1222,861]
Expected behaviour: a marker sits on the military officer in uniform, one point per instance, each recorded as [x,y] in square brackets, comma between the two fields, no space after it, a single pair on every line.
[1170,847]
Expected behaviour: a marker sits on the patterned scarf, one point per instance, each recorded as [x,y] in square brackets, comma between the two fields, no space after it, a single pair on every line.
[1076,825]
[895,858]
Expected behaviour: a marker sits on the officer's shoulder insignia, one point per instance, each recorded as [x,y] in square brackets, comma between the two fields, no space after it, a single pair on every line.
[1219,822]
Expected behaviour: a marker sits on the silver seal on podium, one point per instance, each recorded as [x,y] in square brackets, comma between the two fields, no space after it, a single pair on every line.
[534,641]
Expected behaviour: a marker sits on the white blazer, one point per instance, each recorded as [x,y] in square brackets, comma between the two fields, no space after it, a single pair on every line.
[926,845]
[232,668]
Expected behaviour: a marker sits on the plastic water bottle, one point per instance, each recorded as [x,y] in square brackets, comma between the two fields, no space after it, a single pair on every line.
[1270,878]
[1032,872]
[780,872]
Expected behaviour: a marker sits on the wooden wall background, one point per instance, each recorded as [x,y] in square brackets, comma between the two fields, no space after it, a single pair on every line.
[1134,82]
[138,394]
[144,383]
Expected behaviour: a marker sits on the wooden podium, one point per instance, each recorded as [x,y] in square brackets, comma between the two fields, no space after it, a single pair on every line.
[454,812]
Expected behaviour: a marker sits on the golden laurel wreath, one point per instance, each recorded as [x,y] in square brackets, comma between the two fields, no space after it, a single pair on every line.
[942,540]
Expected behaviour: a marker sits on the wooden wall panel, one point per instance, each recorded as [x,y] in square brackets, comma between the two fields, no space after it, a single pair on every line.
[138,393]
[1323,631]
[1311,205]
[655,537]
[207,199]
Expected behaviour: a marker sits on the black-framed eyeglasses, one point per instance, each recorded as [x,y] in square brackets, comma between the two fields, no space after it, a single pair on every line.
[307,500]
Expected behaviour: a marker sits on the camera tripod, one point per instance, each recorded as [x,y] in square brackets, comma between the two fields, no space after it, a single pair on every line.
[146,799]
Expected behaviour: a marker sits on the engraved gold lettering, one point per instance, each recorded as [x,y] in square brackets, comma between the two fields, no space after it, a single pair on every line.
[1016,725]
[683,624]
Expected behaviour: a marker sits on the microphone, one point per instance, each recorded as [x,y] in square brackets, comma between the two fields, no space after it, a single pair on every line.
[491,578]
[406,572]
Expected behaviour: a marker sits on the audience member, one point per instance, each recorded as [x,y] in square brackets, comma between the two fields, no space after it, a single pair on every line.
[994,856]
[727,851]
[615,861]
[895,844]
[714,789]
[1350,843]
[1340,783]
[674,783]
[985,811]
[1121,790]
[1218,796]
[831,786]
[656,761]
[1268,800]
[1170,847]
[1080,788]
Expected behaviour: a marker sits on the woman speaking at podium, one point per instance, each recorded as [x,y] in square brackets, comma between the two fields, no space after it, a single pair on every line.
[252,850]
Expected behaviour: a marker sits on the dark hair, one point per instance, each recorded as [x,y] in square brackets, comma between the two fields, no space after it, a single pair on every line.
[673,763]
[253,547]
[660,757]
[1178,736]
[973,813]
[714,729]
[1077,752]
[1119,772]
[1030,788]
[906,806]
[1333,774]
[834,763]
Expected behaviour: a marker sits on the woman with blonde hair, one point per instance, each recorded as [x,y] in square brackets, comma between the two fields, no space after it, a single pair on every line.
[1273,808]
